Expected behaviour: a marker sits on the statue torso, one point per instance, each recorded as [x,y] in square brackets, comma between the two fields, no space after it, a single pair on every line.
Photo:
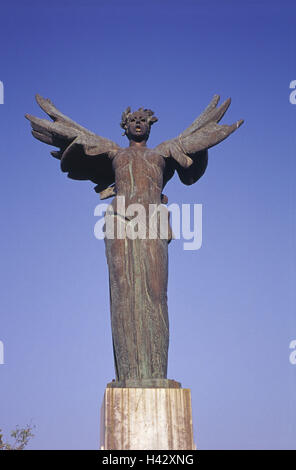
[139,175]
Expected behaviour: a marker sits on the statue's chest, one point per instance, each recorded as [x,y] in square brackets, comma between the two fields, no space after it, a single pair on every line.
[138,162]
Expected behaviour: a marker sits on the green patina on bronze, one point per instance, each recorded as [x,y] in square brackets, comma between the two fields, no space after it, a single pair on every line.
[138,269]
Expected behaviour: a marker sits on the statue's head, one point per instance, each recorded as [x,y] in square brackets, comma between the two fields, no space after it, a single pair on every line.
[137,125]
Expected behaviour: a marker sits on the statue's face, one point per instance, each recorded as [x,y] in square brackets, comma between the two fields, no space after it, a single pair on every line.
[138,128]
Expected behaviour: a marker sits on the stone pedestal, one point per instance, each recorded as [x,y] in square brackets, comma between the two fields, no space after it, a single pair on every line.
[147,419]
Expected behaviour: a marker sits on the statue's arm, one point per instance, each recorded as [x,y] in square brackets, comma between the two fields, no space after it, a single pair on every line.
[84,155]
[189,151]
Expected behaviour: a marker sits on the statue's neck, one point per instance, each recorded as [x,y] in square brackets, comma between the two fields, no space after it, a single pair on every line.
[133,143]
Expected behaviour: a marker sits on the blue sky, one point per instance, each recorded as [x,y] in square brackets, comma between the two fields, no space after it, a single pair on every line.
[231,303]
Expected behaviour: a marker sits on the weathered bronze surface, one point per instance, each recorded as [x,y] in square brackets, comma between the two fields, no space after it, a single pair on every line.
[138,268]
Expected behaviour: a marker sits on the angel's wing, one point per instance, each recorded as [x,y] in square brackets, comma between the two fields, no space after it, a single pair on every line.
[83,154]
[188,153]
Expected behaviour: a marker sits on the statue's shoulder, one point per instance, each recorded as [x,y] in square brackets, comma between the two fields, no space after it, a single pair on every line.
[121,157]
[115,152]
[155,156]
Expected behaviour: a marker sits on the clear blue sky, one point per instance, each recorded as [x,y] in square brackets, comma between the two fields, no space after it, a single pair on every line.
[232,303]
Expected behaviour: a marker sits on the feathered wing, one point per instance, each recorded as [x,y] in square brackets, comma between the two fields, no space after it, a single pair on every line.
[188,153]
[83,154]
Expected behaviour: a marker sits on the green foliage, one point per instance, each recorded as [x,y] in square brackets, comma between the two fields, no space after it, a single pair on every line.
[21,438]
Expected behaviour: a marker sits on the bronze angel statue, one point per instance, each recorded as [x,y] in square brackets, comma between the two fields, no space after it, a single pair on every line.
[138,268]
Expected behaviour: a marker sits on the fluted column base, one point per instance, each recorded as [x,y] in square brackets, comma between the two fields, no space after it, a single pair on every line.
[146,419]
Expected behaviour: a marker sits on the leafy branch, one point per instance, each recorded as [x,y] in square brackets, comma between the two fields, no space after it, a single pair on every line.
[21,438]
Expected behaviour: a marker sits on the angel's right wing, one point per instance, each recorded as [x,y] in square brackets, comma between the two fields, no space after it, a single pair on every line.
[84,155]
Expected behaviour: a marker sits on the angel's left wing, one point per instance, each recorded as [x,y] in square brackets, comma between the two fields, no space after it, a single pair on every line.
[84,155]
[188,153]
